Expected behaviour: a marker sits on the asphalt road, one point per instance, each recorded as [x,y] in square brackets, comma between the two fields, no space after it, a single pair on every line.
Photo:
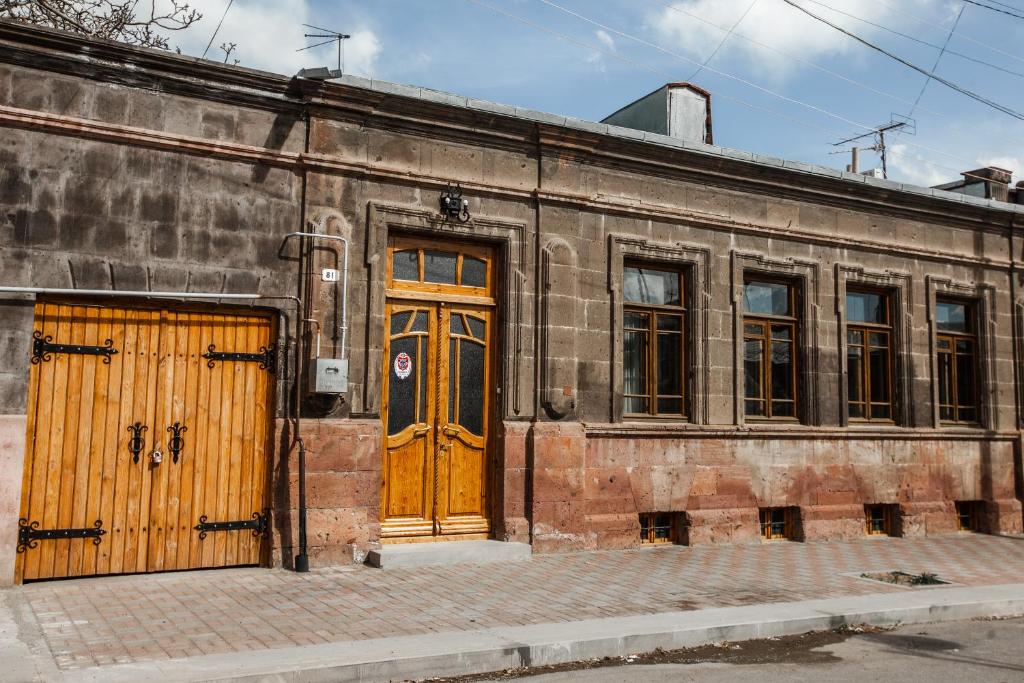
[960,652]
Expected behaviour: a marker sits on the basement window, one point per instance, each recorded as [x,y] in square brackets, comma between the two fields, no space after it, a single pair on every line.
[778,523]
[968,517]
[878,520]
[656,527]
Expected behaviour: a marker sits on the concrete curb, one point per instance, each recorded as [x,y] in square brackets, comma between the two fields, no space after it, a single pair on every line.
[458,653]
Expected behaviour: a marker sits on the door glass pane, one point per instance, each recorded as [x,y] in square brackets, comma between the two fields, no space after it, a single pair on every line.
[782,370]
[402,392]
[476,326]
[866,307]
[421,415]
[474,272]
[420,324]
[752,360]
[771,298]
[405,265]
[650,286]
[471,387]
[670,365]
[879,375]
[951,316]
[439,267]
[399,321]
[457,326]
[453,350]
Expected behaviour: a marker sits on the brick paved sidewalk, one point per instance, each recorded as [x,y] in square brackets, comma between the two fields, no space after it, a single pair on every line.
[90,622]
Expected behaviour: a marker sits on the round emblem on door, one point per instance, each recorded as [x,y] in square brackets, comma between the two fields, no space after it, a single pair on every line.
[403,365]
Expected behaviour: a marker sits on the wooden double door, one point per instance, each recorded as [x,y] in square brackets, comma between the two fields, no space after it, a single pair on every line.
[147,441]
[437,384]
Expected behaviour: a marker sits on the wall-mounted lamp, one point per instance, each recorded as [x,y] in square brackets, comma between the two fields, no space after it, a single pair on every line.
[453,206]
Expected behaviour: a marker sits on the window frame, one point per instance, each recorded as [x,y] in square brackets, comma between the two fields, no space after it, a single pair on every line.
[766,321]
[888,519]
[648,524]
[952,336]
[766,524]
[653,311]
[866,328]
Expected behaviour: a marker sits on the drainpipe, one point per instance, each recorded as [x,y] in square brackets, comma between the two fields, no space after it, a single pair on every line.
[222,296]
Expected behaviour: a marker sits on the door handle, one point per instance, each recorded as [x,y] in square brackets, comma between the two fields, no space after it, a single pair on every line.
[177,442]
[137,442]
[450,431]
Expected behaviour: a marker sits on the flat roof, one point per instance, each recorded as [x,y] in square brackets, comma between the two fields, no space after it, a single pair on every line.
[486,106]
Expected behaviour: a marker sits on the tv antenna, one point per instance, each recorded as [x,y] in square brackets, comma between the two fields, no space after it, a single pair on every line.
[332,36]
[897,123]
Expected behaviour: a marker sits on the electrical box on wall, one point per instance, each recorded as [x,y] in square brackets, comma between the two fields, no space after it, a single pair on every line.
[328,375]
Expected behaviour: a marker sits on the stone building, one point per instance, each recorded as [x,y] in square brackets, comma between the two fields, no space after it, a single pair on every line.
[607,337]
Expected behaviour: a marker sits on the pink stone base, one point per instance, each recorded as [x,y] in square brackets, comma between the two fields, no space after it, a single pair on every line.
[723,526]
[12,464]
[831,522]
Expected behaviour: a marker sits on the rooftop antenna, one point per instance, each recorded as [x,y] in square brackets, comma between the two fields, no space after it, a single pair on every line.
[333,36]
[896,122]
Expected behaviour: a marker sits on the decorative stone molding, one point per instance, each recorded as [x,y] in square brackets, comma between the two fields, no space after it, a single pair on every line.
[695,259]
[900,286]
[558,328]
[384,220]
[983,297]
[805,274]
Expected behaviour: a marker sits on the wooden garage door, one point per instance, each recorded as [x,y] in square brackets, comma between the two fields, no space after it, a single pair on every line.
[147,445]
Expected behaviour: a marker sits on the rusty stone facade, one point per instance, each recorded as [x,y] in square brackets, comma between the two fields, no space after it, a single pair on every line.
[134,169]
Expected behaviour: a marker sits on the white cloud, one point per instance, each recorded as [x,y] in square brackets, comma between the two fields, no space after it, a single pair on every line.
[605,39]
[268,34]
[908,165]
[772,23]
[1013,164]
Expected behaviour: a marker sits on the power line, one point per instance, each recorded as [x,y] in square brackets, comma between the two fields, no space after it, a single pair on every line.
[937,60]
[961,55]
[994,9]
[949,84]
[217,30]
[961,34]
[723,41]
[670,77]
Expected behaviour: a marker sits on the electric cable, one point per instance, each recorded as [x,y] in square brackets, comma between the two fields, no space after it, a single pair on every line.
[217,30]
[994,9]
[722,42]
[949,84]
[670,78]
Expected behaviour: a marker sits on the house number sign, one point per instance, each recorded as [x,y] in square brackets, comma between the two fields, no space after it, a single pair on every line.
[403,365]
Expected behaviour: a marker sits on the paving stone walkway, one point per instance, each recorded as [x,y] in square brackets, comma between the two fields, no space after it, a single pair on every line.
[91,622]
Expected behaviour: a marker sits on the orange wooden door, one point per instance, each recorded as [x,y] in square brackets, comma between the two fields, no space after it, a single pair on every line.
[93,504]
[437,379]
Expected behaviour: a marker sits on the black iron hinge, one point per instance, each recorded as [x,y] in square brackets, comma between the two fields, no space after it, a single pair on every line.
[42,347]
[267,357]
[29,534]
[259,525]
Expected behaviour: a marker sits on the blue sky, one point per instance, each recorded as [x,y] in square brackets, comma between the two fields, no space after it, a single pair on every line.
[764,99]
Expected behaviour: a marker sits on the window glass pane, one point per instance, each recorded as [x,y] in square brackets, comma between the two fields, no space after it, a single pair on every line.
[420,324]
[476,326]
[968,414]
[782,370]
[783,409]
[635,405]
[753,329]
[752,373]
[855,337]
[855,374]
[398,322]
[965,380]
[634,319]
[405,266]
[634,365]
[649,286]
[754,408]
[952,316]
[880,411]
[474,272]
[964,345]
[879,375]
[945,379]
[670,322]
[439,267]
[456,324]
[782,332]
[856,410]
[471,387]
[670,365]
[946,413]
[866,307]
[401,392]
[670,406]
[877,339]
[771,298]
[944,344]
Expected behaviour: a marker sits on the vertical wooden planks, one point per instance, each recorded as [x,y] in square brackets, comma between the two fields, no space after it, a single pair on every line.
[87,320]
[112,439]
